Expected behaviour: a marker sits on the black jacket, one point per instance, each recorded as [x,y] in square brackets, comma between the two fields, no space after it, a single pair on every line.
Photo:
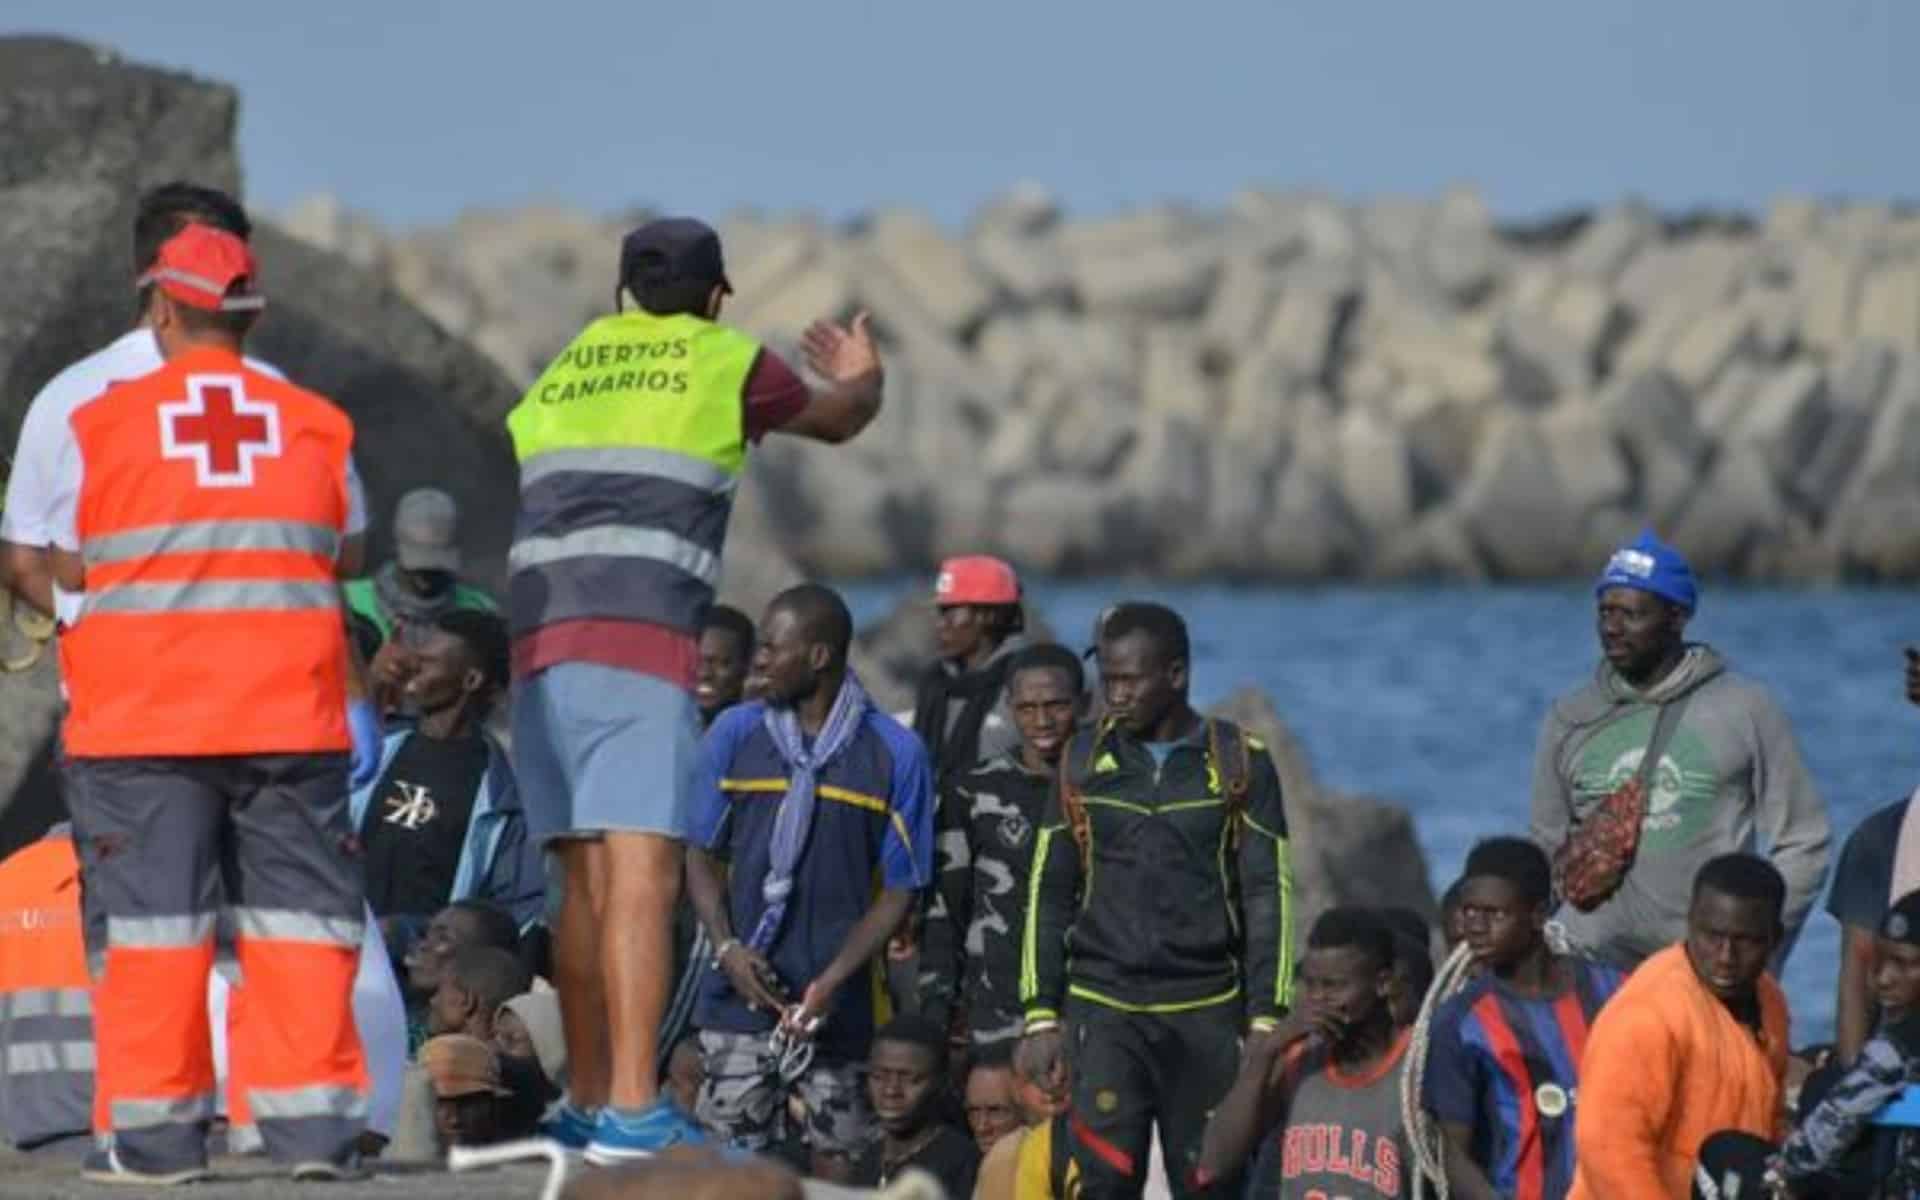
[1177,909]
[988,823]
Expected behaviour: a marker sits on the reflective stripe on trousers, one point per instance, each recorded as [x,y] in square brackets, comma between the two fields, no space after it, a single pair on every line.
[164,821]
[46,1073]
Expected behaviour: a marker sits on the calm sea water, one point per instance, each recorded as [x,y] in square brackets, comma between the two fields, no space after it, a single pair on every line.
[1432,697]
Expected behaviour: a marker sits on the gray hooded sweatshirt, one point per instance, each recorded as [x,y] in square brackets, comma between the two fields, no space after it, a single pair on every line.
[1731,778]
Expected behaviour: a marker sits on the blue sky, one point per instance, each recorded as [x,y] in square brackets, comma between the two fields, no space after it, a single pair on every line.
[415,110]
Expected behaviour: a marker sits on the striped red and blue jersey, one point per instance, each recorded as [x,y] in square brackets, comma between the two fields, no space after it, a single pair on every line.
[1509,1067]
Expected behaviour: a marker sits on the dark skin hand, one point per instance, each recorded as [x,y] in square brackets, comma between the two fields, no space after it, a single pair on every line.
[746,969]
[1042,1057]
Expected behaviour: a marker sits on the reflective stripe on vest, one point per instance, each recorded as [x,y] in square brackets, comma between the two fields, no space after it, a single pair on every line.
[286,537]
[630,445]
[212,506]
[213,595]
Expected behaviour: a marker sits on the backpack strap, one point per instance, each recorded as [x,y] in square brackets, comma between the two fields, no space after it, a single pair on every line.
[1236,772]
[1073,802]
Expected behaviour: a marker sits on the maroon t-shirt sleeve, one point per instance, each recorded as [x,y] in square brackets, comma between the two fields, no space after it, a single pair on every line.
[774,395]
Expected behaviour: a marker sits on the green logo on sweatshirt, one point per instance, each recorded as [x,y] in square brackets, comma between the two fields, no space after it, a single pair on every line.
[1683,786]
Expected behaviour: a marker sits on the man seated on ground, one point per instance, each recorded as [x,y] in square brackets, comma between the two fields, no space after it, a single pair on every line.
[1695,1042]
[810,796]
[1503,1064]
[1835,1150]
[401,600]
[473,987]
[905,1072]
[473,1105]
[993,1101]
[1035,1162]
[442,820]
[528,1027]
[1332,1097]
[459,925]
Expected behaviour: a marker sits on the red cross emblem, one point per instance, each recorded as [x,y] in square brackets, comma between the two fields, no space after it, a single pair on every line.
[219,430]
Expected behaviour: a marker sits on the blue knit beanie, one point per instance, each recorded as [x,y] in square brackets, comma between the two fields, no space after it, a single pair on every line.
[1650,565]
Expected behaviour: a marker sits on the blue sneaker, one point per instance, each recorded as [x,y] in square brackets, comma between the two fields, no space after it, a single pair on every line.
[628,1135]
[571,1127]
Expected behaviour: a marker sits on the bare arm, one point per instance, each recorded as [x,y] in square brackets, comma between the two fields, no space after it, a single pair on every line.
[1256,1104]
[29,574]
[1853,1006]
[351,562]
[707,889]
[848,360]
[865,940]
[1464,1176]
[66,568]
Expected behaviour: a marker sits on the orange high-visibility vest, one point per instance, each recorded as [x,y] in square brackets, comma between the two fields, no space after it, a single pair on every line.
[46,996]
[212,504]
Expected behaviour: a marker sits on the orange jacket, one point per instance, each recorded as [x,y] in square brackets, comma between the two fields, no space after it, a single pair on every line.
[46,996]
[212,504]
[1666,1067]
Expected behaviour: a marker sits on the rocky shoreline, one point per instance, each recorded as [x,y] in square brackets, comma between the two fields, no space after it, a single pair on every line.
[1295,387]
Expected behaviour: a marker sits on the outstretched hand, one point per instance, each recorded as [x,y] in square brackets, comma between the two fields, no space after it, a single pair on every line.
[839,354]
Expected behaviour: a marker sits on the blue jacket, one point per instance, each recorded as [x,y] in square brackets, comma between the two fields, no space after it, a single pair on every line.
[499,861]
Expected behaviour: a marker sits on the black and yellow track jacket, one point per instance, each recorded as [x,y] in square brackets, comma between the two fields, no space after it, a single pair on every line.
[1178,906]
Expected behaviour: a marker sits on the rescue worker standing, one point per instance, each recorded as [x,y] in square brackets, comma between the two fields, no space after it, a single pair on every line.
[208,674]
[631,444]
[1160,913]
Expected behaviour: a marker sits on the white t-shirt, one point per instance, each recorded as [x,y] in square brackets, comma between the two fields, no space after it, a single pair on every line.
[379,1014]
[42,481]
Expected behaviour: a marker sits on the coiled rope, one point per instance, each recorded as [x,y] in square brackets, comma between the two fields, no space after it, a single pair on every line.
[1424,1137]
[1423,1132]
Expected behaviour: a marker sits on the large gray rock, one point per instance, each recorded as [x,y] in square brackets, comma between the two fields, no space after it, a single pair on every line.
[1346,849]
[1586,457]
[1890,305]
[1654,416]
[1706,348]
[1541,362]
[1736,510]
[81,135]
[1785,419]
[1153,280]
[1515,505]
[937,273]
[1860,381]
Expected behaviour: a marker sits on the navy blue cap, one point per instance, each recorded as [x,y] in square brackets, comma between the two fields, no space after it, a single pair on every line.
[672,250]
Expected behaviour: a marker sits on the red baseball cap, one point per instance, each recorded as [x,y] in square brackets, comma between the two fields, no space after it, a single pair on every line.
[201,266]
[976,579]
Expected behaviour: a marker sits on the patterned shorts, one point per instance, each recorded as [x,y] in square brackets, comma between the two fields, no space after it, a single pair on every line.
[743,1100]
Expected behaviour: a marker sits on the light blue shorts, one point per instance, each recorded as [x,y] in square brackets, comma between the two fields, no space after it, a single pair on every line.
[601,750]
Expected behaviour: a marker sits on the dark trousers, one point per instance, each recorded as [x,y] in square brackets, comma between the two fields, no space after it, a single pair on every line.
[152,835]
[1133,1071]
